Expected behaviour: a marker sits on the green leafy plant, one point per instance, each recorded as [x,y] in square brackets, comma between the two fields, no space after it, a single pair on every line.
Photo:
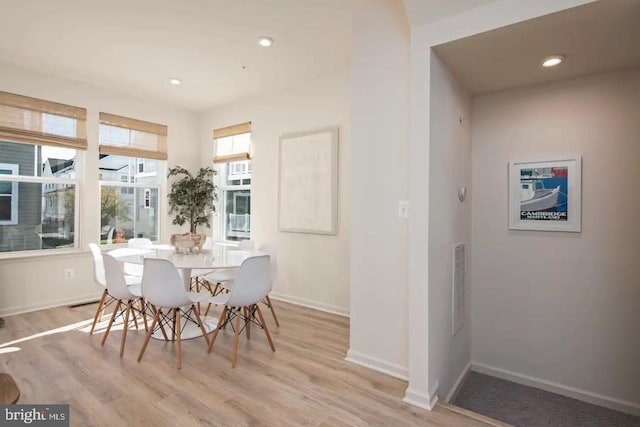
[192,197]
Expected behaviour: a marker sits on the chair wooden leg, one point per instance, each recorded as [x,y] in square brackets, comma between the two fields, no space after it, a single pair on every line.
[135,320]
[164,333]
[176,312]
[126,327]
[99,311]
[207,310]
[272,311]
[143,310]
[266,330]
[235,340]
[199,319]
[173,329]
[113,316]
[156,318]
[223,317]
[247,323]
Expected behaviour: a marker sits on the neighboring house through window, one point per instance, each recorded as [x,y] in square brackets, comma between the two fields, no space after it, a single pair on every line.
[233,163]
[131,167]
[40,143]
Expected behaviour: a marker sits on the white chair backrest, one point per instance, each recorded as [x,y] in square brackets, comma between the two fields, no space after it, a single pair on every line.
[112,231]
[268,249]
[116,285]
[139,242]
[162,285]
[246,245]
[252,283]
[98,266]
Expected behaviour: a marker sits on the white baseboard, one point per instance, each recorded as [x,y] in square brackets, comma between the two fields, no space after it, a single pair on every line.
[458,383]
[50,304]
[377,365]
[575,393]
[328,308]
[421,400]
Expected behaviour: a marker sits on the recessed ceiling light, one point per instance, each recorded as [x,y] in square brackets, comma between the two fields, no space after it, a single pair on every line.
[553,60]
[265,41]
[175,81]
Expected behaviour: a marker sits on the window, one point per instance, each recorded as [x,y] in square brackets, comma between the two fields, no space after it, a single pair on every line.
[39,164]
[131,163]
[8,196]
[147,198]
[233,162]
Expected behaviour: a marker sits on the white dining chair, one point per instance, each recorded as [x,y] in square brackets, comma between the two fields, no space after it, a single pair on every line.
[163,287]
[251,285]
[100,279]
[126,296]
[224,279]
[268,249]
[131,268]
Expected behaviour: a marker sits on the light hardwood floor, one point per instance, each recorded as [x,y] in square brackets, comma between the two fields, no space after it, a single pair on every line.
[306,382]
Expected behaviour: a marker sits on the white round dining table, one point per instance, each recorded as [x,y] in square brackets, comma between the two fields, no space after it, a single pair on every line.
[217,257]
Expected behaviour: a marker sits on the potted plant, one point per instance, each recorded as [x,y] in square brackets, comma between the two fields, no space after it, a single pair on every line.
[191,198]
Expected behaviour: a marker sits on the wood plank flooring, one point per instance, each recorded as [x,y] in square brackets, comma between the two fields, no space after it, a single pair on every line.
[306,382]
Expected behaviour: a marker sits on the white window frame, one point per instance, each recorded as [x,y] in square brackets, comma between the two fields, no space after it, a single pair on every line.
[14,193]
[224,189]
[77,237]
[160,186]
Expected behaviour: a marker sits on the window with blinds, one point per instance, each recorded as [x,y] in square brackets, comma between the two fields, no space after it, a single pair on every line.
[131,163]
[233,161]
[38,122]
[124,136]
[232,143]
[39,145]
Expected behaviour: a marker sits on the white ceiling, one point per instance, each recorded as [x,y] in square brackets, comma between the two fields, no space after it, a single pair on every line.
[596,37]
[135,46]
[422,12]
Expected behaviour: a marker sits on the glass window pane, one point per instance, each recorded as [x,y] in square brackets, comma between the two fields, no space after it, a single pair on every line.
[234,173]
[233,144]
[127,169]
[37,160]
[59,125]
[237,214]
[45,220]
[124,215]
[5,209]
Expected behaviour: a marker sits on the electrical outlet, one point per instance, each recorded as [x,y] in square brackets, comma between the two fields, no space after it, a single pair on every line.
[68,273]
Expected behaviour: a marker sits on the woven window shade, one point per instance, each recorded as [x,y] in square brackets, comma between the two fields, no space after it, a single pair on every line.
[123,136]
[35,121]
[224,156]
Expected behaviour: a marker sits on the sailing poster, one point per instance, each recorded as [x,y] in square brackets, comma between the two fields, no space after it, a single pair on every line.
[545,195]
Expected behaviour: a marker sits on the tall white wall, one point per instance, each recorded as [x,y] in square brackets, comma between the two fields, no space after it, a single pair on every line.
[553,307]
[34,282]
[313,269]
[449,221]
[379,171]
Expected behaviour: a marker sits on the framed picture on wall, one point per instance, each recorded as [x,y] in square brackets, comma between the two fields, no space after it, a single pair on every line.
[545,195]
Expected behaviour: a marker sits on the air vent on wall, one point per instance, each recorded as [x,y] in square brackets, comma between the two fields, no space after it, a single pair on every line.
[458,304]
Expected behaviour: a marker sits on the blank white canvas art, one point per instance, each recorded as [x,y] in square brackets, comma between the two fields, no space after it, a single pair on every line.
[308,182]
